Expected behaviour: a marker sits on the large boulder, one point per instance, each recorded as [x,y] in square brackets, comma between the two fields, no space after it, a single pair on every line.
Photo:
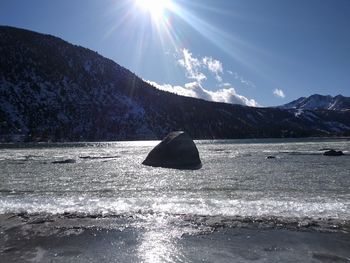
[177,150]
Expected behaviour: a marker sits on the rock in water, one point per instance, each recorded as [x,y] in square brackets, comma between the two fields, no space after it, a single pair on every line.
[65,161]
[333,153]
[177,150]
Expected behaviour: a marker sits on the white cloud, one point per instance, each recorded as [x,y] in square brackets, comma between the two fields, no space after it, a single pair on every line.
[214,66]
[195,89]
[279,93]
[242,80]
[192,66]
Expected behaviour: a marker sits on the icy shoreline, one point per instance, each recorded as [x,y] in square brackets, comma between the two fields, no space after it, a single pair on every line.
[200,222]
[163,238]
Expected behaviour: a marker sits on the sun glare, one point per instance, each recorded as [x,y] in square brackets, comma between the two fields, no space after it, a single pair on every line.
[155,8]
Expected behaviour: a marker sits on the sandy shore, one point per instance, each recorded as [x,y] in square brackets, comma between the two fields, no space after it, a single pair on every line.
[80,238]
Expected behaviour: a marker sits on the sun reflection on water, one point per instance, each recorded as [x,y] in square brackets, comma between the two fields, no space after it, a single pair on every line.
[160,242]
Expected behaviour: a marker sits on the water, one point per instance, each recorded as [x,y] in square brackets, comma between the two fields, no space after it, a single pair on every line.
[236,180]
[240,207]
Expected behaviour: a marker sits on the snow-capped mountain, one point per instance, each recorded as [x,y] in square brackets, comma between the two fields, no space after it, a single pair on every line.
[51,90]
[318,102]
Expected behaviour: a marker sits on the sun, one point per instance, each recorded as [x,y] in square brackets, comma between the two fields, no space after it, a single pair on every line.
[155,8]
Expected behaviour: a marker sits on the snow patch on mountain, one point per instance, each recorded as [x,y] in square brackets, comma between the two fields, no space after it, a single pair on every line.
[319,102]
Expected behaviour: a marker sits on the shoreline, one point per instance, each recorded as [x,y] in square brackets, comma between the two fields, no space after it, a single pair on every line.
[212,222]
[159,238]
[24,144]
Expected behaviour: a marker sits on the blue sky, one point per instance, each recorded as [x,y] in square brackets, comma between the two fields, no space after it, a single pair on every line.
[254,52]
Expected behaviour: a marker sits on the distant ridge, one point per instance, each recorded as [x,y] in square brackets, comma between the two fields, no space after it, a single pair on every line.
[320,102]
[51,90]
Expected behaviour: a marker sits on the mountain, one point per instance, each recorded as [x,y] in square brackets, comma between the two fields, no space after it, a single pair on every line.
[51,90]
[319,102]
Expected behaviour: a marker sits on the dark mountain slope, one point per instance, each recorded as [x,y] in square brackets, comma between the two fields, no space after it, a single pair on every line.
[52,90]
